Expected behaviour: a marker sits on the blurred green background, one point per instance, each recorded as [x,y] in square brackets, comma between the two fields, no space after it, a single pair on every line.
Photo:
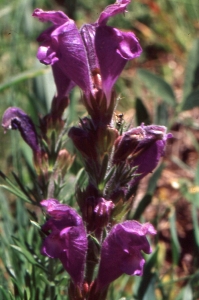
[161,87]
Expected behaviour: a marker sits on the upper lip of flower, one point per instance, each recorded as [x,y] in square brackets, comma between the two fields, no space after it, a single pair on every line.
[95,47]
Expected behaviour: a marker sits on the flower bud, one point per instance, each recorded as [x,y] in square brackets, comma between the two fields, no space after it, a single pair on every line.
[127,144]
[64,161]
[97,212]
[15,118]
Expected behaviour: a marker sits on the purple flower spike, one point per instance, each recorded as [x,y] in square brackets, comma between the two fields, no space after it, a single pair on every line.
[62,45]
[67,238]
[121,251]
[16,118]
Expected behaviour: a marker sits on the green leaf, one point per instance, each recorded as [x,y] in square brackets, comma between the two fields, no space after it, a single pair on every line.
[25,297]
[162,115]
[81,178]
[191,101]
[150,292]
[35,224]
[194,213]
[154,178]
[15,192]
[157,86]
[27,254]
[148,279]
[13,189]
[4,293]
[17,289]
[174,238]
[142,114]
[103,171]
[191,71]
[146,200]
[22,77]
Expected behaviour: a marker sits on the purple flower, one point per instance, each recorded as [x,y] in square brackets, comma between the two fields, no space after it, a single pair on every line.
[108,48]
[67,238]
[15,118]
[96,50]
[121,251]
[150,150]
[63,48]
[141,147]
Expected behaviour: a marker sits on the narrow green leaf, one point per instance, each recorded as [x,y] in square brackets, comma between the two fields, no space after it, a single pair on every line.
[191,71]
[15,192]
[13,188]
[4,293]
[142,115]
[109,174]
[174,238]
[157,86]
[17,288]
[146,200]
[81,177]
[25,297]
[103,171]
[22,77]
[150,292]
[162,115]
[20,184]
[35,224]
[154,178]
[191,101]
[194,213]
[148,277]
[27,254]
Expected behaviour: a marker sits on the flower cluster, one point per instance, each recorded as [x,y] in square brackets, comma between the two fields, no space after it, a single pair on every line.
[120,251]
[91,58]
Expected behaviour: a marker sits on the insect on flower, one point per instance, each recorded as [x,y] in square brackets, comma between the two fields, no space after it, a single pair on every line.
[119,120]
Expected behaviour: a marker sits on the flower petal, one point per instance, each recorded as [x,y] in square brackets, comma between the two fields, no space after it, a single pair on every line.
[56,17]
[63,83]
[118,7]
[62,44]
[88,32]
[121,251]
[114,48]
